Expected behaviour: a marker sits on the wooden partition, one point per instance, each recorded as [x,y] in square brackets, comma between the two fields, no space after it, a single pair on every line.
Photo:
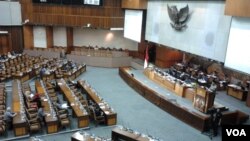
[239,8]
[13,40]
[69,32]
[4,43]
[49,36]
[166,57]
[194,119]
[109,15]
[134,4]
[28,37]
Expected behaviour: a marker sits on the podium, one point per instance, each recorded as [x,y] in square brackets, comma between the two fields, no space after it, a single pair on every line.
[203,99]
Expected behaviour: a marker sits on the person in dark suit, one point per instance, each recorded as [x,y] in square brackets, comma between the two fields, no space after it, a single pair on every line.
[216,121]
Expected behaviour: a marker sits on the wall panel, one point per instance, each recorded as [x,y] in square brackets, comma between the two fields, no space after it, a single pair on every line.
[206,33]
[49,36]
[102,38]
[28,37]
[134,4]
[45,14]
[15,37]
[239,8]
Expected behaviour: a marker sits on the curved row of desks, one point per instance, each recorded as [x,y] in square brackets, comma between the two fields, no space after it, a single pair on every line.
[195,119]
[91,60]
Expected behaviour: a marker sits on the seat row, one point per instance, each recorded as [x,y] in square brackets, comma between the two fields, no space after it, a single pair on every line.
[2,109]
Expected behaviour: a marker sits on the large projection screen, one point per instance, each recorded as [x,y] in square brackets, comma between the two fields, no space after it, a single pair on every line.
[238,48]
[10,13]
[206,33]
[133,25]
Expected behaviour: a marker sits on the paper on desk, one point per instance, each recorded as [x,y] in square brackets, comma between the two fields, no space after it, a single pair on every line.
[106,112]
[65,105]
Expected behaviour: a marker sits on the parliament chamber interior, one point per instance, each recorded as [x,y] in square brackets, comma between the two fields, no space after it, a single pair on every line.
[123,70]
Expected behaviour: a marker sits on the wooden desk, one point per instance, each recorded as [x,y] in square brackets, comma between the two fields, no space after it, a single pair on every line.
[78,136]
[248,98]
[110,116]
[194,119]
[189,93]
[22,76]
[118,134]
[71,75]
[19,123]
[179,89]
[248,95]
[50,76]
[82,117]
[236,92]
[51,122]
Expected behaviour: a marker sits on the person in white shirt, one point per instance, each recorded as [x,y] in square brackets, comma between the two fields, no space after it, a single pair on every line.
[213,87]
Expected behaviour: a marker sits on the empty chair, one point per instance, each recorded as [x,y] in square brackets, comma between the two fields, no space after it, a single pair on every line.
[34,125]
[64,120]
[3,129]
[2,107]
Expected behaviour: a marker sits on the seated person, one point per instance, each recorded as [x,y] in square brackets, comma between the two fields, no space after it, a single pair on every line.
[61,106]
[182,76]
[41,115]
[2,67]
[8,117]
[28,95]
[11,56]
[98,111]
[188,80]
[244,86]
[42,71]
[13,53]
[36,98]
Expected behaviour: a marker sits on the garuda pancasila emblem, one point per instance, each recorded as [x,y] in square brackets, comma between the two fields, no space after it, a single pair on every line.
[178,18]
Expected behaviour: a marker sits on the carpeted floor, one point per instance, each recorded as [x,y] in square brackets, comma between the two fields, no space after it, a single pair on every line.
[133,111]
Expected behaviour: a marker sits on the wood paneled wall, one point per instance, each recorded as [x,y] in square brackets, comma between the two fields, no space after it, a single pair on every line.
[134,4]
[166,57]
[109,15]
[28,37]
[13,41]
[49,36]
[69,32]
[239,8]
[4,43]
